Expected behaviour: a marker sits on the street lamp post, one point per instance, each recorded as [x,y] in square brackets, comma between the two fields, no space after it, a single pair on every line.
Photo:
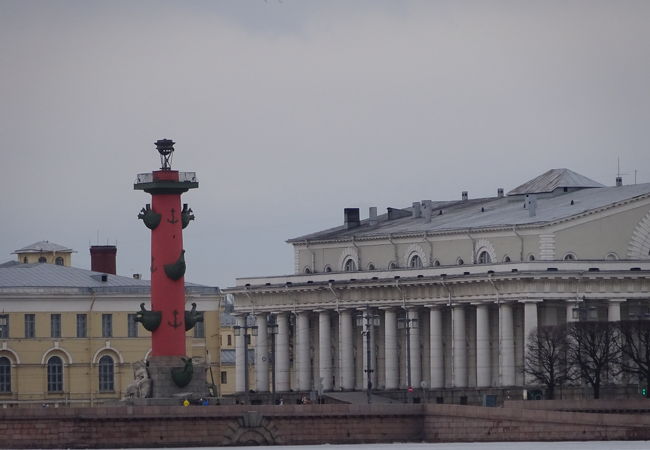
[243,331]
[272,329]
[368,321]
[407,323]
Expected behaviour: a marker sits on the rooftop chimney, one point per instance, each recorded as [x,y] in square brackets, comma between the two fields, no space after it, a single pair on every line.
[372,216]
[531,205]
[351,218]
[619,181]
[417,212]
[102,258]
[427,210]
[500,192]
[464,195]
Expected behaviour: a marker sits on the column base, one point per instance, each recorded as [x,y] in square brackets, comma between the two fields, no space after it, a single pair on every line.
[166,385]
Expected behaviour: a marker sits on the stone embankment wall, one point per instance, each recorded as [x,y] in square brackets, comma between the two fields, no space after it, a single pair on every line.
[159,426]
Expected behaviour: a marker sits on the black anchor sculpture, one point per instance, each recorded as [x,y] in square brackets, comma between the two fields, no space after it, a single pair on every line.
[186,215]
[192,317]
[176,270]
[150,218]
[150,320]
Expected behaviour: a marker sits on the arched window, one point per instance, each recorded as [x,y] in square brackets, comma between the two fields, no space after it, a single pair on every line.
[42,259]
[436,262]
[58,261]
[506,259]
[415,262]
[307,270]
[371,266]
[5,374]
[570,257]
[392,266]
[106,374]
[460,261]
[484,257]
[531,257]
[54,374]
[350,265]
[328,269]
[611,256]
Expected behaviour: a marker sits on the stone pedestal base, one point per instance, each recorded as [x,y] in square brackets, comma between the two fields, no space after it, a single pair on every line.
[160,372]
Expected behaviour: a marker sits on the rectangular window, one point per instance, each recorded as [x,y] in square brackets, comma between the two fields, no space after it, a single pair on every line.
[5,374]
[107,325]
[30,325]
[82,325]
[199,330]
[224,377]
[55,325]
[248,339]
[132,325]
[4,326]
[230,340]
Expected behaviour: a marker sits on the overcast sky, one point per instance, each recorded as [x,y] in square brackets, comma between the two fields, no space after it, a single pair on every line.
[290,111]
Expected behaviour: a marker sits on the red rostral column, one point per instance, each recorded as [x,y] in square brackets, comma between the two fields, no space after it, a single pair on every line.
[166,220]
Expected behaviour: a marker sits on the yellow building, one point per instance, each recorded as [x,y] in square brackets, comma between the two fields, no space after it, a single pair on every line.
[69,335]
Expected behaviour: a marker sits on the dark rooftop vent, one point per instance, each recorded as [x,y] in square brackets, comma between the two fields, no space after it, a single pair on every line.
[500,192]
[490,271]
[514,270]
[310,282]
[464,196]
[289,283]
[619,181]
[395,213]
[465,273]
[351,218]
[397,277]
[268,284]
[375,278]
[420,276]
[551,269]
[594,269]
[104,277]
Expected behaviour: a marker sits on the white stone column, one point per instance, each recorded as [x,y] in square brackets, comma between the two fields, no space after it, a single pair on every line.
[282,383]
[324,350]
[240,365]
[346,350]
[570,306]
[614,310]
[530,326]
[390,345]
[261,354]
[507,349]
[483,366]
[303,364]
[414,340]
[436,349]
[459,347]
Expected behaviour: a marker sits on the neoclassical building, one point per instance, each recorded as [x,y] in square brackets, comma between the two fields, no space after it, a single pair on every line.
[443,294]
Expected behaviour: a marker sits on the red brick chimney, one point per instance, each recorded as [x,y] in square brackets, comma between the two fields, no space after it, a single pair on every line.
[102,258]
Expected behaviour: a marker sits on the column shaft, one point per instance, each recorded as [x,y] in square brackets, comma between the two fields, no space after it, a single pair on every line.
[436,349]
[282,377]
[346,350]
[507,345]
[459,350]
[530,326]
[390,343]
[483,353]
[303,356]
[240,365]
[261,354]
[414,340]
[324,351]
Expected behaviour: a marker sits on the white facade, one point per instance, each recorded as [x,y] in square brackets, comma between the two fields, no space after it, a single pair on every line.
[454,286]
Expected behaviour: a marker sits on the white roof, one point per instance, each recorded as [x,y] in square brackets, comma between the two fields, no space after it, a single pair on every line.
[44,247]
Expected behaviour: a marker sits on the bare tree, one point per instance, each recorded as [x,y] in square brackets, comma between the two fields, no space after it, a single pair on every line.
[593,352]
[546,357]
[634,345]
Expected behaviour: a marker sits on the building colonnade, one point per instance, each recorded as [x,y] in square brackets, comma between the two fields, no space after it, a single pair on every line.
[463,345]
